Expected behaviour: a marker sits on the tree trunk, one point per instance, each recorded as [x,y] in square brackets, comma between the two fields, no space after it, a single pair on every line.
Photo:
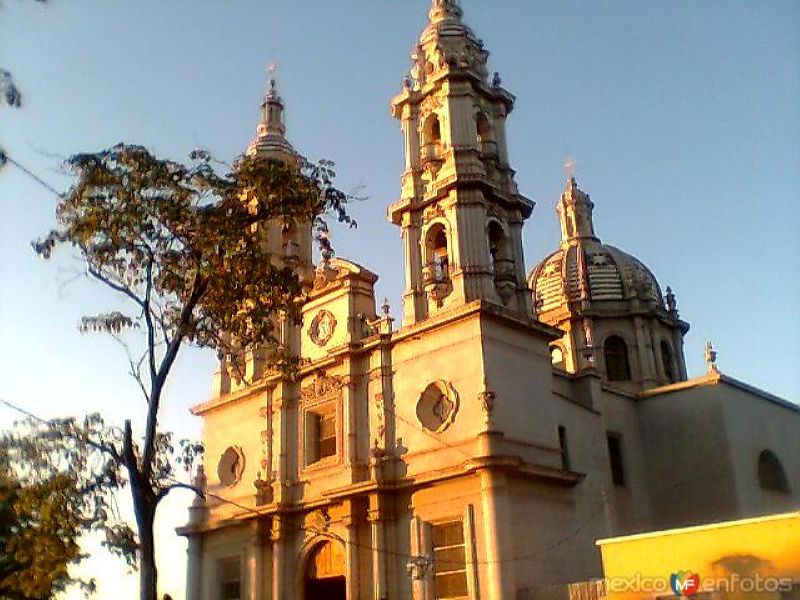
[148,574]
[144,507]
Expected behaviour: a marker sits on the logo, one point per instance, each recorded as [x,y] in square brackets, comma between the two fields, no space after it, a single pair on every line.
[684,583]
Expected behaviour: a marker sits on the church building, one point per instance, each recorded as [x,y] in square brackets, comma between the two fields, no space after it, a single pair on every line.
[479,443]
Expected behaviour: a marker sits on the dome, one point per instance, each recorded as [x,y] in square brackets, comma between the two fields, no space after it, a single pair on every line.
[591,271]
[585,270]
[616,321]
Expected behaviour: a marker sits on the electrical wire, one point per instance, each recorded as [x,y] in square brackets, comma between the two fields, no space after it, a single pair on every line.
[533,556]
[31,174]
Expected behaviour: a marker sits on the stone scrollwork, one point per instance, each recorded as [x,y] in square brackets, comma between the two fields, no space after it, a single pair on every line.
[323,386]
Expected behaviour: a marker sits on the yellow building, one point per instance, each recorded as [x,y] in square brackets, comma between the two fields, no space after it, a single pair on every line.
[480,447]
[749,558]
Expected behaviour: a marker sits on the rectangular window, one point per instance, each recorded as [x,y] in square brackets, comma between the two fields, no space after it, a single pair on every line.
[615,457]
[449,561]
[320,434]
[230,578]
[562,444]
[326,440]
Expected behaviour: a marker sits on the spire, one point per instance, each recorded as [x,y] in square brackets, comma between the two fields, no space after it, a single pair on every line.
[270,140]
[575,213]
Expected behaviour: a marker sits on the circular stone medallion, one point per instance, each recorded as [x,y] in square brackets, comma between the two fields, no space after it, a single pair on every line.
[322,328]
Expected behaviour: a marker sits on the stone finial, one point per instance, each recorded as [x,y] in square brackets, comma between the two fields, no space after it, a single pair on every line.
[199,482]
[672,302]
[442,10]
[575,209]
[263,490]
[710,356]
[384,323]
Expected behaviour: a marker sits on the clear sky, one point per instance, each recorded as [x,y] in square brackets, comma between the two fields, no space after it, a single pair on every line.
[683,116]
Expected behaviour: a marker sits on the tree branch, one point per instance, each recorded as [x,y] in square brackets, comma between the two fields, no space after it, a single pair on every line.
[163,493]
[198,289]
[148,319]
[97,274]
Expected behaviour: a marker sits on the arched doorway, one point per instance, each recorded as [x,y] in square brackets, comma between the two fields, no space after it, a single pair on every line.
[325,573]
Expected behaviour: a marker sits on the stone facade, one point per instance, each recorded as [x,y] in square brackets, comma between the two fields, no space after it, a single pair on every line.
[480,449]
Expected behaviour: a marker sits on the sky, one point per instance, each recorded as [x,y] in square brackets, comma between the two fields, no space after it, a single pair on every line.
[683,118]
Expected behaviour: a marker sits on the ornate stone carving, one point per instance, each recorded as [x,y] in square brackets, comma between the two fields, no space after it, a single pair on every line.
[323,386]
[433,211]
[437,406]
[322,328]
[200,482]
[380,419]
[320,520]
[487,399]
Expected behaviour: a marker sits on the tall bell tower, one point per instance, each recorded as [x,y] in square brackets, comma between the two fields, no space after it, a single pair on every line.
[460,211]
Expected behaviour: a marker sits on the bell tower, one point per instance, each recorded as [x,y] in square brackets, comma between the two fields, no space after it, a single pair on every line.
[288,242]
[460,211]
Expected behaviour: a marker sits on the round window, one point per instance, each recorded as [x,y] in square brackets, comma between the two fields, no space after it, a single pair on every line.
[437,406]
[230,466]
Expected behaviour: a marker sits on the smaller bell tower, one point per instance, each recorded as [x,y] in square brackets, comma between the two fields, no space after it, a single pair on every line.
[289,243]
[460,211]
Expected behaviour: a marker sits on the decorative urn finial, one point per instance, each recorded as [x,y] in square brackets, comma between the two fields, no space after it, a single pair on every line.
[710,356]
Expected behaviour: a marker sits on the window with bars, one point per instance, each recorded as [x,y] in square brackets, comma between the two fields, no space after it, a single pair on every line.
[449,561]
[230,578]
[320,435]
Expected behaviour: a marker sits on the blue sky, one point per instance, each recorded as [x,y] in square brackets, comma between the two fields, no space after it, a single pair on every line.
[683,116]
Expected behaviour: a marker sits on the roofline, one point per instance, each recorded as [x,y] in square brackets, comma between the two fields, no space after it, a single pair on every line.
[715,378]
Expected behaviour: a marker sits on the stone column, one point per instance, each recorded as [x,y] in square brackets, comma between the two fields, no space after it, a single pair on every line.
[644,354]
[378,537]
[412,296]
[194,558]
[419,563]
[497,536]
[256,570]
[278,535]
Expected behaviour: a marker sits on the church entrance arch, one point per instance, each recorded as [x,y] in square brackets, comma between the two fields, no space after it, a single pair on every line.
[325,576]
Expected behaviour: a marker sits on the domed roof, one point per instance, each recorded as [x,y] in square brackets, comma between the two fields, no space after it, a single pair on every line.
[584,269]
[591,271]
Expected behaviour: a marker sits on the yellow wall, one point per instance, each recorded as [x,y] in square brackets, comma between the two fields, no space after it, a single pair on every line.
[761,547]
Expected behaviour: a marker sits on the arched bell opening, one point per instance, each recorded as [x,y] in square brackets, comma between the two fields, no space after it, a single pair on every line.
[501,262]
[431,134]
[437,255]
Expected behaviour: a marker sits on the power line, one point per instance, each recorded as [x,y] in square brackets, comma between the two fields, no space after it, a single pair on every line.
[388,552]
[4,157]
